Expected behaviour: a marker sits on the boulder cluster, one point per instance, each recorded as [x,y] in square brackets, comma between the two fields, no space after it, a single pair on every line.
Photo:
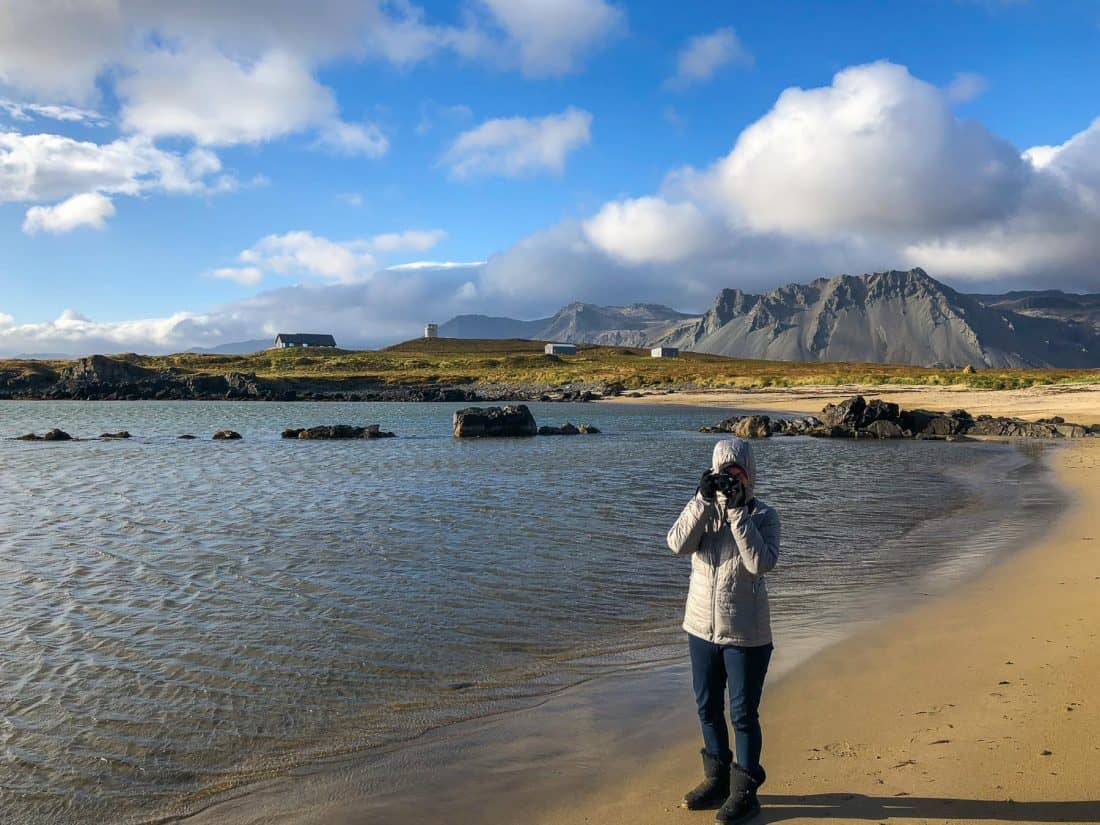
[856,417]
[337,431]
[508,422]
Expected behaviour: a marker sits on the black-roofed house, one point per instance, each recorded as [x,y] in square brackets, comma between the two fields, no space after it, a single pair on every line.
[303,339]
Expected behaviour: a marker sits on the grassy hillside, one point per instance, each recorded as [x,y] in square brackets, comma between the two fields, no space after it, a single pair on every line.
[462,361]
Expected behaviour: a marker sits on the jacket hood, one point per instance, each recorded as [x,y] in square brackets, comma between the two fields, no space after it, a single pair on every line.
[738,451]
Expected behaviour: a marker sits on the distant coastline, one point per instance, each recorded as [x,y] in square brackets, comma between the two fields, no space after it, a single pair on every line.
[471,370]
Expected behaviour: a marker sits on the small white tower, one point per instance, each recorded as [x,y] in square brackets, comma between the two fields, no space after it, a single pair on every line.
[431,331]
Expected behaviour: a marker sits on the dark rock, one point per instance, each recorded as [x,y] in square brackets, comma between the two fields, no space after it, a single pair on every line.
[568,429]
[916,420]
[119,434]
[847,413]
[186,436]
[945,425]
[226,435]
[337,431]
[547,429]
[494,422]
[753,426]
[879,410]
[882,428]
[588,429]
[50,435]
[795,426]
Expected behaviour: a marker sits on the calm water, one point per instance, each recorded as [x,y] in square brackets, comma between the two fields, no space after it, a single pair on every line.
[178,617]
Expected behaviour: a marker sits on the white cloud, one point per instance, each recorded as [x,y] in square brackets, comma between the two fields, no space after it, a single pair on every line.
[649,230]
[313,257]
[17,110]
[553,36]
[966,86]
[88,209]
[364,139]
[415,240]
[246,275]
[211,99]
[877,151]
[47,167]
[518,146]
[310,256]
[705,54]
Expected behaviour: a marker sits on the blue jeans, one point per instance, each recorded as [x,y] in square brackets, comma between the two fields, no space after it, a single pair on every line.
[742,669]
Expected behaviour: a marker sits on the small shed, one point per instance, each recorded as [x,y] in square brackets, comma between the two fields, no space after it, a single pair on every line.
[664,352]
[303,339]
[561,349]
[431,331]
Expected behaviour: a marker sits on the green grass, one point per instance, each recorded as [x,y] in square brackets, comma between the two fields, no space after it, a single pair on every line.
[460,361]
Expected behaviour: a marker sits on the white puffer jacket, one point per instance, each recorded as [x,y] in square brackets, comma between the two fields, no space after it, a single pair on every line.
[731,549]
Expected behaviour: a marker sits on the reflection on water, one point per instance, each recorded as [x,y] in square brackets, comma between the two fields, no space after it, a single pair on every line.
[178,617]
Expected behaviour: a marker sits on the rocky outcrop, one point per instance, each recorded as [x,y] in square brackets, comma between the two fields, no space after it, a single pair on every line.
[119,434]
[494,422]
[568,429]
[337,431]
[49,435]
[856,418]
[226,435]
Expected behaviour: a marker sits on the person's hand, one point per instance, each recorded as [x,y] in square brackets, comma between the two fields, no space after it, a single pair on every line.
[708,486]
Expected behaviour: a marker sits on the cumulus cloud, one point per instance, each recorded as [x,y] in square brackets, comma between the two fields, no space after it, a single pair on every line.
[878,150]
[871,172]
[649,230]
[705,54]
[88,209]
[312,257]
[17,110]
[242,72]
[212,99]
[966,86]
[47,167]
[244,275]
[551,37]
[518,146]
[414,240]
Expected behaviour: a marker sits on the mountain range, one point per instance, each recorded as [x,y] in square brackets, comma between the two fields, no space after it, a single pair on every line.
[900,317]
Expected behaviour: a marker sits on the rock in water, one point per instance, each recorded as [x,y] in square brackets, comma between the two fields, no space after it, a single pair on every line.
[848,413]
[494,422]
[119,434]
[881,428]
[337,431]
[226,435]
[753,426]
[51,435]
[588,429]
[187,436]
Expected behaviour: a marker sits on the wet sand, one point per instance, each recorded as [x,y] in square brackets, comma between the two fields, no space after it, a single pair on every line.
[979,706]
[1079,403]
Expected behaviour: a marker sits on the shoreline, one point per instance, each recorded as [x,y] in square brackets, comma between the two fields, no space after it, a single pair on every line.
[1079,403]
[955,709]
[515,746]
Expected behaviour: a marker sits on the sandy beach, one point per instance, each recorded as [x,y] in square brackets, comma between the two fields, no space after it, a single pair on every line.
[979,706]
[1079,403]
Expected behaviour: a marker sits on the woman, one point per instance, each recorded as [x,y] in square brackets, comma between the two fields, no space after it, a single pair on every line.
[733,540]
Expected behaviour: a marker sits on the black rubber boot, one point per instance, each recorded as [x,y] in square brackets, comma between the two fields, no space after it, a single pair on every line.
[715,787]
[742,804]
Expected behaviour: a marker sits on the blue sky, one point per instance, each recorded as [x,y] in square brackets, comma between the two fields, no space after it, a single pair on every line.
[222,174]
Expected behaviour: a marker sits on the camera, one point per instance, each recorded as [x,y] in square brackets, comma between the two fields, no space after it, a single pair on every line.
[727,485]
